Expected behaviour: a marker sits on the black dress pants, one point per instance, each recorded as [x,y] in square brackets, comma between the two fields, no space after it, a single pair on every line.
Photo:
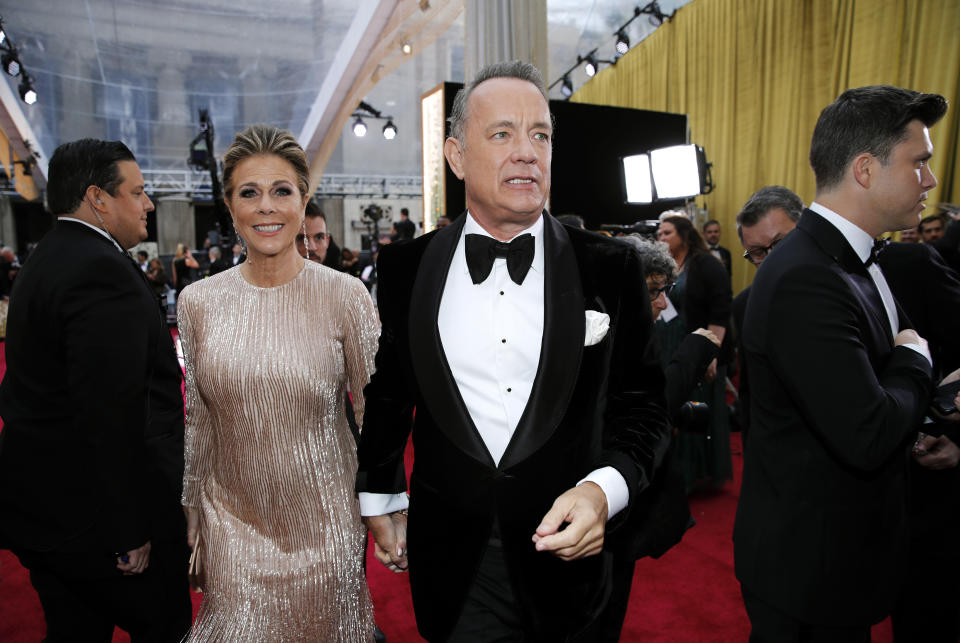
[770,625]
[84,596]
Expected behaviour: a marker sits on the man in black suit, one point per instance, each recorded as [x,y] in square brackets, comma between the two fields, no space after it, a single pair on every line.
[839,383]
[405,228]
[91,454]
[711,234]
[767,217]
[537,404]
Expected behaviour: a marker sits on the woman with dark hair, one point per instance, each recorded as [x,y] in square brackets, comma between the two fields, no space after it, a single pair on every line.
[270,348]
[701,298]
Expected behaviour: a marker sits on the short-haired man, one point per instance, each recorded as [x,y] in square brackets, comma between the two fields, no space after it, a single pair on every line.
[405,228]
[931,228]
[711,234]
[313,242]
[217,264]
[521,343]
[839,383]
[910,235]
[91,454]
[768,216]
[142,259]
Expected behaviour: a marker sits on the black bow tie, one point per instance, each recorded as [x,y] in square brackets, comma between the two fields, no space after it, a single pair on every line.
[878,247]
[482,250]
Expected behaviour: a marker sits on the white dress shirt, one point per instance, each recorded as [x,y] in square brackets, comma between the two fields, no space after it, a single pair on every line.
[862,244]
[491,334]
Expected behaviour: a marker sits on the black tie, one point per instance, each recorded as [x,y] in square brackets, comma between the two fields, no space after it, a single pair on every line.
[482,250]
[878,247]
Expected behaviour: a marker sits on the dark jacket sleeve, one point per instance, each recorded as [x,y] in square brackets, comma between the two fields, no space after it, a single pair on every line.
[686,368]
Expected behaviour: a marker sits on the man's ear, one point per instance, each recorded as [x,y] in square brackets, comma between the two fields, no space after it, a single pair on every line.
[862,169]
[453,150]
[94,195]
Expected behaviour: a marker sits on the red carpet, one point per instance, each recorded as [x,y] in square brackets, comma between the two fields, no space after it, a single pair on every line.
[688,595]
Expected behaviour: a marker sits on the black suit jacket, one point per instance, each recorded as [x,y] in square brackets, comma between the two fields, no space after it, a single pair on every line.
[91,454]
[725,258]
[819,532]
[929,291]
[590,407]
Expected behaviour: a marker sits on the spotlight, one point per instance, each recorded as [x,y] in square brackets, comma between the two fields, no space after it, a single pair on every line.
[567,87]
[3,33]
[590,64]
[359,127]
[11,64]
[406,48]
[680,171]
[623,42]
[637,182]
[389,131]
[27,93]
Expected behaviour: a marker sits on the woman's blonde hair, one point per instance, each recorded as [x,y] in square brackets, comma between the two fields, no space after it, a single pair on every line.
[267,140]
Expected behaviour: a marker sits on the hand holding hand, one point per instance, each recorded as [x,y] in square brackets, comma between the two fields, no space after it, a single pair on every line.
[137,560]
[390,539]
[936,453]
[584,509]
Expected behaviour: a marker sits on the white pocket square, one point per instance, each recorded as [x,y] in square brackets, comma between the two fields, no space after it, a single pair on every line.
[597,324]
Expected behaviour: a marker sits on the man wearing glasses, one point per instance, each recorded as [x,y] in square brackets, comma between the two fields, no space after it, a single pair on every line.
[766,218]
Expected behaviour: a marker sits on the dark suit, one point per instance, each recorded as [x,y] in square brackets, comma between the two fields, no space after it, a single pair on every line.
[820,527]
[589,407]
[724,258]
[91,454]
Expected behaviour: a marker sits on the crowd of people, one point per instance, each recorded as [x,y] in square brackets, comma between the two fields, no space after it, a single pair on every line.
[564,390]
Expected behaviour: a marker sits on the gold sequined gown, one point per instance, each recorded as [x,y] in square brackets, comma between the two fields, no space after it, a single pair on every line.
[270,460]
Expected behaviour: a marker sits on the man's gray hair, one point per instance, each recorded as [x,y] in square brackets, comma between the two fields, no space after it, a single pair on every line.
[764,200]
[512,69]
[654,256]
[215,251]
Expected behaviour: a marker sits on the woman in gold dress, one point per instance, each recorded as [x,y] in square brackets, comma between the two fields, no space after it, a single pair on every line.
[270,348]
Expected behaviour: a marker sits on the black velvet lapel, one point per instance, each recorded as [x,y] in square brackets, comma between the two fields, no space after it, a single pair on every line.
[832,241]
[564,329]
[426,350]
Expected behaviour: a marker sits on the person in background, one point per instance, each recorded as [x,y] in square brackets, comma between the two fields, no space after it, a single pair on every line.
[701,298]
[839,383]
[91,453]
[572,220]
[184,268]
[932,227]
[142,259]
[910,235]
[405,228]
[237,254]
[711,235]
[217,264]
[442,222]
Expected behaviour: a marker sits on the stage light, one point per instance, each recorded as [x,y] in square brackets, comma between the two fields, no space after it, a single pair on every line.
[359,127]
[406,48]
[11,64]
[567,87]
[678,171]
[637,183]
[623,42]
[27,93]
[590,64]
[389,131]
[3,33]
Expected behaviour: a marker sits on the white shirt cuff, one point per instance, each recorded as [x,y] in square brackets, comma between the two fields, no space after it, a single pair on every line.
[613,486]
[923,350]
[378,504]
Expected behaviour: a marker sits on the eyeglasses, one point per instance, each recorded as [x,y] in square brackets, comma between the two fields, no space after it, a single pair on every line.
[662,290]
[757,255]
[320,237]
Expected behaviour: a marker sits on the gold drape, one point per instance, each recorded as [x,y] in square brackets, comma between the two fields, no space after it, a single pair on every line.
[753,75]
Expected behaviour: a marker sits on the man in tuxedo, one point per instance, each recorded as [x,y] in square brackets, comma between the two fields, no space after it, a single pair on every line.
[711,234]
[217,264]
[768,216]
[839,383]
[91,454]
[521,344]
[405,228]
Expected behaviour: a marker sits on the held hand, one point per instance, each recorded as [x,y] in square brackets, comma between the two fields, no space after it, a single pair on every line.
[390,539]
[584,509]
[909,336]
[137,560]
[709,334]
[936,453]
[193,525]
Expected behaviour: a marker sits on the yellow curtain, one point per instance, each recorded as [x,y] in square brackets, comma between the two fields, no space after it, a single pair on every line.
[753,75]
[22,183]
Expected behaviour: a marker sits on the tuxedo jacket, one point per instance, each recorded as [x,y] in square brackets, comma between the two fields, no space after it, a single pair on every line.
[589,407]
[820,527]
[91,453]
[929,291]
[725,258]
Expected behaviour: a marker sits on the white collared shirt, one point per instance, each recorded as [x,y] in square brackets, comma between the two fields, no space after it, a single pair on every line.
[862,243]
[491,334]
